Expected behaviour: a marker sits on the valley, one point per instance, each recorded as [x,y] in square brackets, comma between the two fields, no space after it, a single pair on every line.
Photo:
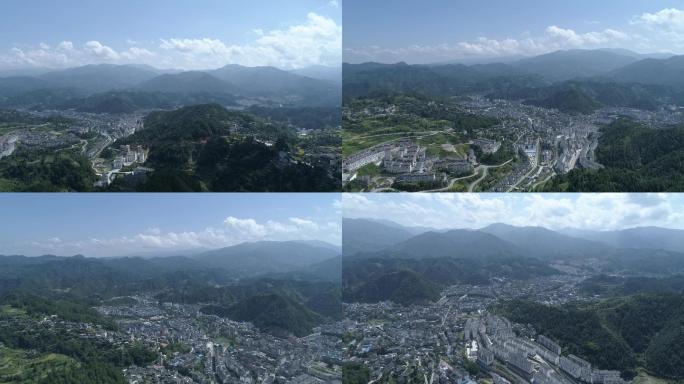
[213,317]
[509,304]
[546,115]
[92,114]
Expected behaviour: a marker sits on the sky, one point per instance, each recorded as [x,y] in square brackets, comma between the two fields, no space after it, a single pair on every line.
[589,211]
[433,31]
[98,225]
[178,34]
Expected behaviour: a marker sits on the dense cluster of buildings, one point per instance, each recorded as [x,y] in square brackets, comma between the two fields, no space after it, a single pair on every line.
[581,370]
[220,350]
[406,162]
[129,156]
[487,146]
[539,361]
[8,143]
[438,341]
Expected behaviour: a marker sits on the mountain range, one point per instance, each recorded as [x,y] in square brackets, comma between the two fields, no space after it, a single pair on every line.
[292,88]
[284,288]
[244,260]
[502,240]
[250,259]
[402,260]
[588,77]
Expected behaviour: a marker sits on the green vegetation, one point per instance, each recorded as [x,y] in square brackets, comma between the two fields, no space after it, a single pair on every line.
[493,176]
[371,170]
[273,313]
[355,373]
[69,287]
[579,331]
[508,82]
[435,145]
[623,333]
[637,159]
[416,187]
[36,307]
[32,170]
[401,286]
[173,348]
[195,149]
[119,301]
[570,100]
[459,186]
[408,281]
[622,286]
[304,117]
[297,306]
[431,122]
[644,378]
[17,366]
[505,153]
[59,354]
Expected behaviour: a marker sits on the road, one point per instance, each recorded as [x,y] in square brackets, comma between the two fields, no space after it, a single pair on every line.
[588,154]
[485,169]
[453,181]
[535,166]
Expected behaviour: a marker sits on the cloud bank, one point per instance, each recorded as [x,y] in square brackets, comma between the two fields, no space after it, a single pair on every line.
[599,211]
[662,31]
[315,41]
[234,230]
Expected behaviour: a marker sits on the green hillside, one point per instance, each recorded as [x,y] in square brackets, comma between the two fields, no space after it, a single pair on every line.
[196,149]
[402,287]
[637,159]
[292,317]
[623,333]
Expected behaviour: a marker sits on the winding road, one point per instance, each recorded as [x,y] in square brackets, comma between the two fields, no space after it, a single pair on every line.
[485,172]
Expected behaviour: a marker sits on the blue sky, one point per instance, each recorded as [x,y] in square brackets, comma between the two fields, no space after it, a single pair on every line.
[595,211]
[117,224]
[439,30]
[199,33]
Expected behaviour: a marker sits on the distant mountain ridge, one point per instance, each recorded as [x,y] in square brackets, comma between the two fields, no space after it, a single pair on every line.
[364,235]
[266,256]
[268,82]
[566,65]
[638,238]
[630,250]
[548,80]
[188,82]
[667,72]
[543,243]
[426,261]
[244,260]
[291,302]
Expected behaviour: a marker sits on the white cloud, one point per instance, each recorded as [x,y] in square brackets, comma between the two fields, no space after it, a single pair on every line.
[103,51]
[135,54]
[195,46]
[669,19]
[317,40]
[568,36]
[245,227]
[65,46]
[648,32]
[588,211]
[554,38]
[233,231]
[334,3]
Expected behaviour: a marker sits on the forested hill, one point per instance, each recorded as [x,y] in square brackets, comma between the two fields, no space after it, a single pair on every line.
[208,148]
[637,159]
[625,333]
